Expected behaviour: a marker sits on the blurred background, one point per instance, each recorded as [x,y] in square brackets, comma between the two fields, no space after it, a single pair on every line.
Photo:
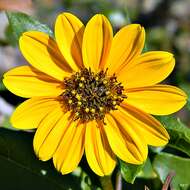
[167,25]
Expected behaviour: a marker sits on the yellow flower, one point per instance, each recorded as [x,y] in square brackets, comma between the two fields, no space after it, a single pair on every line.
[92,92]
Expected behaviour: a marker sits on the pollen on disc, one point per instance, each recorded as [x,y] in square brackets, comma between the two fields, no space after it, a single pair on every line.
[91,95]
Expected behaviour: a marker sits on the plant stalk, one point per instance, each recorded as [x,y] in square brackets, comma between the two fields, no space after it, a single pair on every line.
[118,184]
[106,183]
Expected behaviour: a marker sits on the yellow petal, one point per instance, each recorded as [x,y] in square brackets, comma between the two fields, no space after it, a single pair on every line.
[98,153]
[96,42]
[127,44]
[119,142]
[50,132]
[146,126]
[29,114]
[42,52]
[69,33]
[148,69]
[135,143]
[157,99]
[71,148]
[28,82]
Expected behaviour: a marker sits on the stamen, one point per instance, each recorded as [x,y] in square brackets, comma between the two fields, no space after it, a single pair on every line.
[101,109]
[91,95]
[87,110]
[93,110]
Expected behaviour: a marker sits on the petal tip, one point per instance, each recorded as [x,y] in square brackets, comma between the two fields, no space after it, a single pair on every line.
[12,121]
[137,27]
[98,17]
[64,14]
[43,159]
[4,79]
[185,96]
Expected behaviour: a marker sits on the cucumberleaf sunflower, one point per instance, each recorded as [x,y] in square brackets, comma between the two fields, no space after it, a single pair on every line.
[92,92]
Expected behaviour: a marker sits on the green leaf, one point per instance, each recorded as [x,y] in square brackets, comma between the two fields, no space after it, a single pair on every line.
[186,88]
[184,186]
[11,39]
[18,161]
[179,133]
[164,163]
[21,22]
[130,171]
[2,87]
[147,171]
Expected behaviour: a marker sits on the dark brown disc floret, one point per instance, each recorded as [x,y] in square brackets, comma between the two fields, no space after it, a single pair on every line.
[91,95]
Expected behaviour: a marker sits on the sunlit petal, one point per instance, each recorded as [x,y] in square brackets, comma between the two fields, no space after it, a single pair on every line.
[29,114]
[148,69]
[98,153]
[157,99]
[70,149]
[96,42]
[42,52]
[127,44]
[28,82]
[135,143]
[146,126]
[69,33]
[50,132]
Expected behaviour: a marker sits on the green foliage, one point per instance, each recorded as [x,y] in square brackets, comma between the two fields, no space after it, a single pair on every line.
[184,186]
[130,171]
[2,87]
[21,22]
[186,88]
[179,133]
[164,163]
[147,171]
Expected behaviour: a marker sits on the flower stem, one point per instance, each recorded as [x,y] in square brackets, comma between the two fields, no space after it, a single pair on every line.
[168,180]
[118,184]
[106,183]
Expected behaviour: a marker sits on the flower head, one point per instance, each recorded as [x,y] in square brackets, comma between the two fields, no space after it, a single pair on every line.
[92,92]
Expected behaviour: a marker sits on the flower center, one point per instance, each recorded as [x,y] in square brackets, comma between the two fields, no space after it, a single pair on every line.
[91,95]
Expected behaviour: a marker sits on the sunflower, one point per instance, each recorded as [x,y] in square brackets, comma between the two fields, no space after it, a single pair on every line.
[92,92]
